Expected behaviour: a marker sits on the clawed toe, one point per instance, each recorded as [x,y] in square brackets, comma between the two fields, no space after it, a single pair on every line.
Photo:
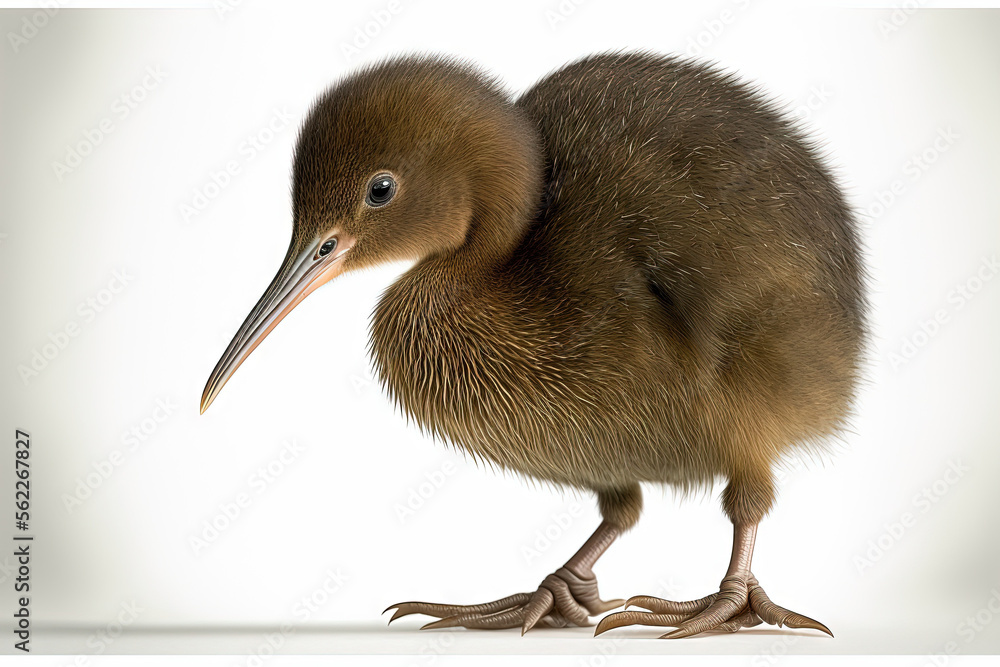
[564,598]
[450,610]
[777,615]
[659,606]
[567,598]
[740,603]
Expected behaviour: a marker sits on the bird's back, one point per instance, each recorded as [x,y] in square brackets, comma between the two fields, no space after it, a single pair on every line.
[691,245]
[685,303]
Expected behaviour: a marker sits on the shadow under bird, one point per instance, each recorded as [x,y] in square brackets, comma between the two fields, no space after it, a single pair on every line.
[638,270]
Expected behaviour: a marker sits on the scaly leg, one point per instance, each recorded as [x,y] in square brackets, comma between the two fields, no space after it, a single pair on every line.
[740,602]
[567,596]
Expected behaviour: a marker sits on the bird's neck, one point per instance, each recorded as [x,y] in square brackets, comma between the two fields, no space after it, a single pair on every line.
[443,332]
[503,177]
[435,340]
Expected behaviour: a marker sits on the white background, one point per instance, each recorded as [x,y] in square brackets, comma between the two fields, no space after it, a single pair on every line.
[877,97]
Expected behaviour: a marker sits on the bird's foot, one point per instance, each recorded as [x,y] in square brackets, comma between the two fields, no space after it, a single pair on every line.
[740,603]
[564,598]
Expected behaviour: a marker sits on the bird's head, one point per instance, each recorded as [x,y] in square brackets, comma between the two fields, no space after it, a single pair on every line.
[408,159]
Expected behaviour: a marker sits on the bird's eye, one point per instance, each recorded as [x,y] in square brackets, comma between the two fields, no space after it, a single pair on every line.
[380,191]
[327,247]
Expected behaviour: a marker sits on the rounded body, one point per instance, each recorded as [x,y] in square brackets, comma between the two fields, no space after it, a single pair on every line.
[687,301]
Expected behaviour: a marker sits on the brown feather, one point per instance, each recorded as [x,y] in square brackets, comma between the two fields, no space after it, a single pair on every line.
[637,271]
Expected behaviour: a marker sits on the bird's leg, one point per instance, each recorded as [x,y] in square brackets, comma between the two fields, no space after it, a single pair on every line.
[740,602]
[567,596]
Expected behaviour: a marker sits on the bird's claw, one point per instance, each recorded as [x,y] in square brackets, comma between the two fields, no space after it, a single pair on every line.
[740,603]
[564,598]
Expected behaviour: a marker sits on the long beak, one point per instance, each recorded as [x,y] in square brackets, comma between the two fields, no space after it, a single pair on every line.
[299,276]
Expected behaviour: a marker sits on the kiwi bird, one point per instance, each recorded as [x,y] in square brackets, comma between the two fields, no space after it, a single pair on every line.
[637,271]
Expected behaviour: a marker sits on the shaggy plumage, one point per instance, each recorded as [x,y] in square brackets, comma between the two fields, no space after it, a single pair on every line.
[637,271]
